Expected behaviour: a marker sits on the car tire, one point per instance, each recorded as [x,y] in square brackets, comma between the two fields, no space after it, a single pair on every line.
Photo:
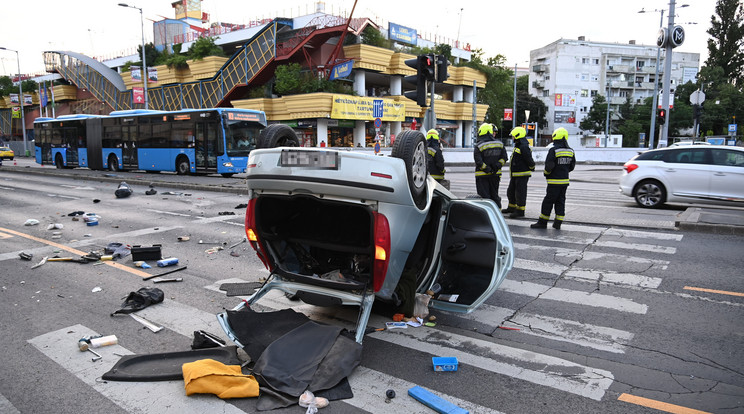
[182,166]
[649,194]
[410,146]
[277,135]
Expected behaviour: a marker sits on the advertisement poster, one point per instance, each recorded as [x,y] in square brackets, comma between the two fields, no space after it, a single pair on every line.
[138,95]
[152,74]
[363,108]
[508,114]
[136,73]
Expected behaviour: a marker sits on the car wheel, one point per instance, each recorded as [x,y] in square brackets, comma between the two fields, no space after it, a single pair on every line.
[649,194]
[58,163]
[410,146]
[278,135]
[113,163]
[227,175]
[182,166]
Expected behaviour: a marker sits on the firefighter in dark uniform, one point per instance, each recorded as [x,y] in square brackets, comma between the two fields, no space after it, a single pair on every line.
[434,158]
[520,170]
[489,155]
[559,162]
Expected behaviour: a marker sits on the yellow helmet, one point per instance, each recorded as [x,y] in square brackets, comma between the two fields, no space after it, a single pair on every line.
[432,133]
[560,133]
[486,128]
[518,132]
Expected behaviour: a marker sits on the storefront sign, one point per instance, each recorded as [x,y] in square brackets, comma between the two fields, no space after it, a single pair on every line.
[508,114]
[402,34]
[363,108]
[342,70]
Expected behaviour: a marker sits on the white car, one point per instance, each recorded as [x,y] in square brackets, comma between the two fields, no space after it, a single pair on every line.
[345,228]
[685,143]
[705,174]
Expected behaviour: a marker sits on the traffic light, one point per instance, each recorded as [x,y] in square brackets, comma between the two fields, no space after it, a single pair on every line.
[661,118]
[442,64]
[424,65]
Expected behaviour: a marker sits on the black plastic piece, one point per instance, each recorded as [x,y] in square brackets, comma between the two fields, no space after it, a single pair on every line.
[166,366]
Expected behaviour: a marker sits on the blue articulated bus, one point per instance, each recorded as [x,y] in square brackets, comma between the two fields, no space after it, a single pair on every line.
[189,141]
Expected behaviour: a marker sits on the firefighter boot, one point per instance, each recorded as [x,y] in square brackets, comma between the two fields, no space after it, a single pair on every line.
[541,224]
[517,213]
[509,209]
[557,224]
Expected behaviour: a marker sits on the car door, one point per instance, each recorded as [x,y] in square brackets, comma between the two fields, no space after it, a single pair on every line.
[686,173]
[476,254]
[727,174]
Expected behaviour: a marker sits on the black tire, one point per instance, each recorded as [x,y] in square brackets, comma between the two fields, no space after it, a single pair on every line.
[227,175]
[649,194]
[58,163]
[182,166]
[113,163]
[410,146]
[278,135]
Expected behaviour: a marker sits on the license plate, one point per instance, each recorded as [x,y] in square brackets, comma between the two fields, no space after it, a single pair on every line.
[303,158]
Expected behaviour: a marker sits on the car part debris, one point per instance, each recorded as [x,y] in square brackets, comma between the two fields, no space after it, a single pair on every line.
[226,213]
[212,242]
[164,273]
[55,226]
[25,256]
[238,243]
[123,191]
[149,325]
[139,300]
[31,222]
[204,339]
[166,366]
[214,250]
[151,191]
[43,260]
[145,253]
[183,238]
[96,289]
[95,200]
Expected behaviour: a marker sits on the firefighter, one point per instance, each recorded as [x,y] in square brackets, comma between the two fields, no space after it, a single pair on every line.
[489,155]
[520,170]
[434,158]
[559,162]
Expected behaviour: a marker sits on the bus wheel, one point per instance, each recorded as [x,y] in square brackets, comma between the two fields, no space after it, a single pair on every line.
[278,135]
[227,175]
[113,163]
[182,166]
[58,163]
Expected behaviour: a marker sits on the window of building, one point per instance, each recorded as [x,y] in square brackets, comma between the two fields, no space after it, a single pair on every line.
[546,93]
[585,93]
[585,61]
[593,93]
[585,77]
[595,61]
[595,78]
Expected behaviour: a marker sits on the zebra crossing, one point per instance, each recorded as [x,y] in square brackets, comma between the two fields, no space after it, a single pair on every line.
[620,264]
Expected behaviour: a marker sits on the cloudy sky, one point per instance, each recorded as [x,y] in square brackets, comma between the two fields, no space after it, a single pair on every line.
[101,28]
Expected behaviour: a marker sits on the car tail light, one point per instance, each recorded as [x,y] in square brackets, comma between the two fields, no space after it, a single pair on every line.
[252,234]
[382,250]
[629,167]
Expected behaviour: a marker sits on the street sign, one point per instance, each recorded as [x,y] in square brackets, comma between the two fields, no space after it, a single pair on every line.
[378,123]
[661,38]
[697,97]
[732,128]
[508,114]
[678,36]
[377,108]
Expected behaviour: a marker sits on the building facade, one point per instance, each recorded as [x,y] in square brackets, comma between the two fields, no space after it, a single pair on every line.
[567,74]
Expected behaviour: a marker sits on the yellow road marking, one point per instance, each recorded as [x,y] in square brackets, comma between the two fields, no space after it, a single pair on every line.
[75,251]
[658,405]
[722,292]
[5,236]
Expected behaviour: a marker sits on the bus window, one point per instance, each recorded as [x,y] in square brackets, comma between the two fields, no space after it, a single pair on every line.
[241,137]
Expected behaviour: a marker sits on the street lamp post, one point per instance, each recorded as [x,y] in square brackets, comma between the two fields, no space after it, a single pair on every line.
[20,99]
[656,87]
[607,121]
[667,75]
[144,61]
[514,111]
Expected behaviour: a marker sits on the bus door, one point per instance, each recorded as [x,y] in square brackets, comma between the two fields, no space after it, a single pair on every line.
[129,147]
[206,146]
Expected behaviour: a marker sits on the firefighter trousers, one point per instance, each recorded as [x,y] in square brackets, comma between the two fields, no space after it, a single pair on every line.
[517,192]
[488,187]
[555,195]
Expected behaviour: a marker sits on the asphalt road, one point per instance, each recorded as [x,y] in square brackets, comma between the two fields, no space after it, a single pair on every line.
[604,317]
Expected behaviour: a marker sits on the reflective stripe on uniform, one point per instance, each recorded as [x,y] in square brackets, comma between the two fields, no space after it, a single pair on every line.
[564,153]
[489,145]
[432,152]
[517,150]
[437,176]
[559,218]
[544,217]
[558,181]
[482,173]
[521,174]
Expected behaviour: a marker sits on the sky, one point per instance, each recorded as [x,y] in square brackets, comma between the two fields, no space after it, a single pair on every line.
[101,28]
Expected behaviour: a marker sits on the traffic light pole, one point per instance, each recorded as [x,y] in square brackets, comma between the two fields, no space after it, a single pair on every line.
[431,121]
[667,76]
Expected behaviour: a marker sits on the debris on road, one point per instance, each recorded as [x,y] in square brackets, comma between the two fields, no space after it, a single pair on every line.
[149,325]
[25,256]
[31,222]
[183,238]
[44,260]
[435,402]
[96,289]
[123,191]
[139,300]
[170,261]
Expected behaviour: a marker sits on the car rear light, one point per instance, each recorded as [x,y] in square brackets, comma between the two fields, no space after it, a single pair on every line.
[252,235]
[629,167]
[382,250]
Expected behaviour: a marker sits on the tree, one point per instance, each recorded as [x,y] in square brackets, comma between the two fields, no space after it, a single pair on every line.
[287,79]
[6,86]
[205,46]
[726,45]
[596,119]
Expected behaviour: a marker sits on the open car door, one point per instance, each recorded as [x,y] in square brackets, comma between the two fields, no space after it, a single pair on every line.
[476,254]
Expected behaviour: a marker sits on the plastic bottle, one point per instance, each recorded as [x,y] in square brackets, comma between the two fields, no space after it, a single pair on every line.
[167,262]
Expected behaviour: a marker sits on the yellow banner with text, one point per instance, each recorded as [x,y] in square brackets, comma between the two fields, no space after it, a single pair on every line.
[366,108]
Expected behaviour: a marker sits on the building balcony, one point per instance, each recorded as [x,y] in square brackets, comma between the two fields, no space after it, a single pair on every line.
[617,100]
[620,68]
[621,84]
[540,68]
[198,69]
[540,84]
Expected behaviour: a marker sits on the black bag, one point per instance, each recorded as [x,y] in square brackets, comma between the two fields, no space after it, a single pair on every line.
[140,300]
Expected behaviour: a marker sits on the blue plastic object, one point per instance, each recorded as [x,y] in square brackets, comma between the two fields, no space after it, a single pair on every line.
[444,363]
[435,402]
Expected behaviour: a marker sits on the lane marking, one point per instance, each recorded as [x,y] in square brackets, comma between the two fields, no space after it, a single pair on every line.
[8,408]
[658,405]
[75,251]
[598,300]
[644,263]
[651,248]
[63,196]
[5,236]
[514,362]
[564,330]
[169,213]
[592,275]
[59,346]
[611,231]
[722,292]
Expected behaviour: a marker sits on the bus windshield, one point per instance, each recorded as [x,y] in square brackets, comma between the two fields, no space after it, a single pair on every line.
[241,137]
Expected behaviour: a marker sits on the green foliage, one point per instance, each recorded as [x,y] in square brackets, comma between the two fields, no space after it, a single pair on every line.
[151,54]
[205,46]
[30,86]
[371,36]
[291,79]
[596,119]
[287,79]
[6,86]
[727,40]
